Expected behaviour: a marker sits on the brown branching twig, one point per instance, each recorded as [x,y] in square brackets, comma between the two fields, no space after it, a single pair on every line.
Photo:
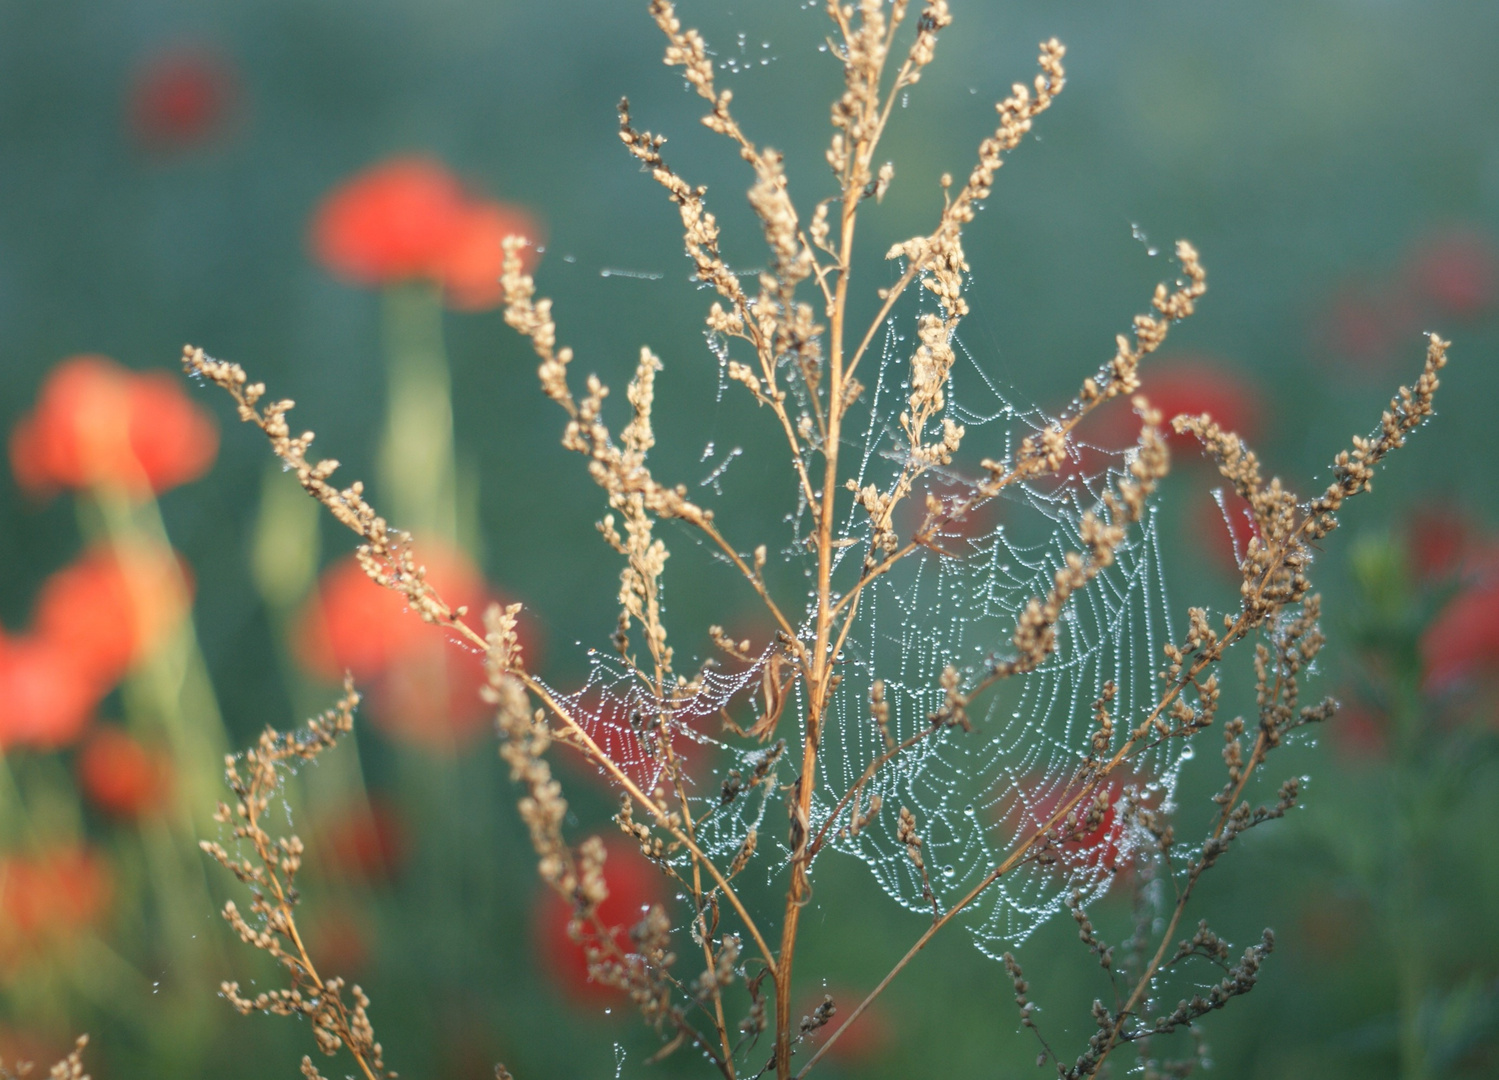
[799,360]
[269,870]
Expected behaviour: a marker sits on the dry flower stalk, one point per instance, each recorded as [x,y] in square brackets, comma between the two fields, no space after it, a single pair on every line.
[269,870]
[810,348]
[69,1068]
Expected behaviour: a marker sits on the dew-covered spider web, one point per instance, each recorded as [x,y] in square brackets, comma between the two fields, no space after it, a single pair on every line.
[975,795]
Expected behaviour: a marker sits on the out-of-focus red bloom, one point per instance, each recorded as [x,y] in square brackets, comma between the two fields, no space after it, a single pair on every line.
[866,1038]
[181,96]
[366,841]
[352,624]
[429,696]
[98,424]
[424,682]
[1222,529]
[607,719]
[1190,385]
[1457,272]
[46,698]
[469,267]
[1362,323]
[389,223]
[634,885]
[47,900]
[122,777]
[112,607]
[1360,733]
[1097,849]
[1439,538]
[1462,642]
[340,939]
[408,219]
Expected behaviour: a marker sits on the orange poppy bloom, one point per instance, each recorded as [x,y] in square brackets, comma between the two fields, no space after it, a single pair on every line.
[634,885]
[365,841]
[352,624]
[424,682]
[46,697]
[1463,641]
[409,219]
[469,266]
[181,96]
[112,607]
[120,776]
[98,424]
[47,900]
[1191,386]
[1457,272]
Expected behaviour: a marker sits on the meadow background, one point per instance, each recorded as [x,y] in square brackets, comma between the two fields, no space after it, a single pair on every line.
[1336,162]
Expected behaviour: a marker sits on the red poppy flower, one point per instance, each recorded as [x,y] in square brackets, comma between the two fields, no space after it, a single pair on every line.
[1362,323]
[424,682]
[1098,849]
[634,885]
[366,841]
[429,696]
[352,624]
[607,718]
[410,219]
[46,697]
[1222,527]
[1457,272]
[1360,733]
[181,96]
[122,777]
[389,223]
[340,940]
[1182,385]
[98,424]
[112,607]
[1462,642]
[469,266]
[866,1039]
[47,900]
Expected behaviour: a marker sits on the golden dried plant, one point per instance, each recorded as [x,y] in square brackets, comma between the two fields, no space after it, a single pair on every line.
[801,359]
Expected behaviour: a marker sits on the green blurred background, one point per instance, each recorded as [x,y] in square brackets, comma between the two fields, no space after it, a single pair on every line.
[1332,160]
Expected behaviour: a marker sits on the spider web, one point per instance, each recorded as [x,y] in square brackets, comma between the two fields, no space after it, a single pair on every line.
[976,795]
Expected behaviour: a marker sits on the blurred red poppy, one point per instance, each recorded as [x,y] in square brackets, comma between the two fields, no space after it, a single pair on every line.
[112,607]
[1190,385]
[634,885]
[409,218]
[1462,642]
[1359,732]
[352,624]
[424,682]
[1098,849]
[469,266]
[1221,527]
[120,776]
[366,841]
[340,940]
[1439,539]
[866,1038]
[388,223]
[46,698]
[98,424]
[47,900]
[1362,323]
[181,96]
[608,720]
[1456,271]
[429,696]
